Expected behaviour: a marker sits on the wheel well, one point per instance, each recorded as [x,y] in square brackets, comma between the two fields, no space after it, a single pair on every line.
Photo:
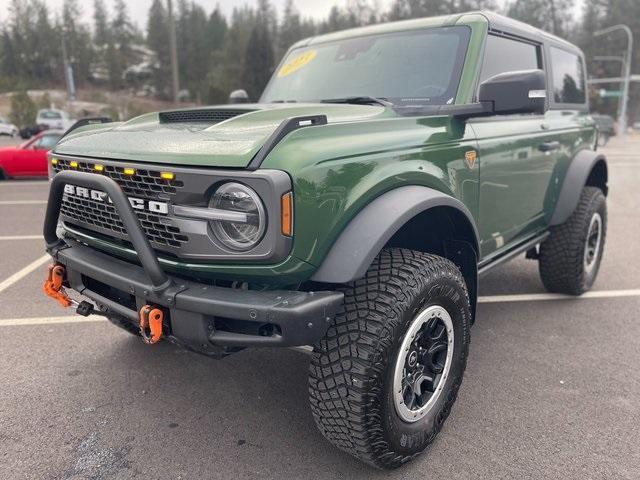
[598,176]
[2,175]
[447,232]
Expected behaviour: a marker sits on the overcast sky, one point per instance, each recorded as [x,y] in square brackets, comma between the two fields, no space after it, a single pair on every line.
[138,9]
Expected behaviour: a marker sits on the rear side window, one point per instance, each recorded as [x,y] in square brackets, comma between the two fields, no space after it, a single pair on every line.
[507,55]
[568,77]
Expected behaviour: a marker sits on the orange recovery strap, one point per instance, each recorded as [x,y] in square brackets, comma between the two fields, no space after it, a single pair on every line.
[53,285]
[151,324]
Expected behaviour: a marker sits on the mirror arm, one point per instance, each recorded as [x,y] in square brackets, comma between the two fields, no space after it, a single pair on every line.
[461,112]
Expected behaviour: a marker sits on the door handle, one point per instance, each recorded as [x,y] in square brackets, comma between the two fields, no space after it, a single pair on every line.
[548,146]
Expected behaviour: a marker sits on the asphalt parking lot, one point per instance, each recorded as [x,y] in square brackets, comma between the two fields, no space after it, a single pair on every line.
[552,388]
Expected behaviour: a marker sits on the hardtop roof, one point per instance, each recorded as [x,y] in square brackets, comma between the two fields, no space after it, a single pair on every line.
[496,22]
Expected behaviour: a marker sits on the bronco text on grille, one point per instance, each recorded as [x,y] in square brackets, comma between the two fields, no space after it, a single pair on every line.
[147,193]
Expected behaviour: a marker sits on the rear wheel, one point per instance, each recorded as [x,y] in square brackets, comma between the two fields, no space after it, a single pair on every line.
[383,380]
[570,258]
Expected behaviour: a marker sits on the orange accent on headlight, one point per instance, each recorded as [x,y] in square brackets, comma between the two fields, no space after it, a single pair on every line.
[286,203]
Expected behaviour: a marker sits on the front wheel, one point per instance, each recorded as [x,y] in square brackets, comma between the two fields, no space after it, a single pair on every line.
[570,258]
[383,380]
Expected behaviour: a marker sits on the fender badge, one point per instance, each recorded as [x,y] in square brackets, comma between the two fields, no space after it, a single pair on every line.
[470,158]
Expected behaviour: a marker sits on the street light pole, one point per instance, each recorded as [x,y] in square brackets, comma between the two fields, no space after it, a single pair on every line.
[622,118]
[174,53]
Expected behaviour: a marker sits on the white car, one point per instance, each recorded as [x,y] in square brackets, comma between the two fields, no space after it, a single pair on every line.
[7,128]
[54,119]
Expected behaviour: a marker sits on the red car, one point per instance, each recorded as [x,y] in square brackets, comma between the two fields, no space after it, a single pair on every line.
[30,158]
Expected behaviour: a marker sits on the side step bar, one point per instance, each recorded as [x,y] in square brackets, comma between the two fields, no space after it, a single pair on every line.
[483,269]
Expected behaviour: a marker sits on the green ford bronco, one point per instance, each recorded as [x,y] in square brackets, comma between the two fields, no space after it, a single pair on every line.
[352,209]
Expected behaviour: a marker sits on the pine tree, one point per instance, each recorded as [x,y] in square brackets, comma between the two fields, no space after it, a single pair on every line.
[100,23]
[157,34]
[258,65]
[551,15]
[119,52]
[77,40]
[290,29]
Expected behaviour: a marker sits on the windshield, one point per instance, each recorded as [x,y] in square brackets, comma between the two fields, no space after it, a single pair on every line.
[47,142]
[50,115]
[415,67]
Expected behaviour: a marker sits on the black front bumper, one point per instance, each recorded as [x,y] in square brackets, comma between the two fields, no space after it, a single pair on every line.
[200,316]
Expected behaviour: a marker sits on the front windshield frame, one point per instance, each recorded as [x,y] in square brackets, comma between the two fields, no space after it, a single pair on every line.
[464,32]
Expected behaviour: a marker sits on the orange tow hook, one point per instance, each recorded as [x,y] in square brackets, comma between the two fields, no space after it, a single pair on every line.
[53,285]
[151,324]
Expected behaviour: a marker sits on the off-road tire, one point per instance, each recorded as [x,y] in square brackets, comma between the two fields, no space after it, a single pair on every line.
[2,175]
[351,372]
[125,324]
[561,261]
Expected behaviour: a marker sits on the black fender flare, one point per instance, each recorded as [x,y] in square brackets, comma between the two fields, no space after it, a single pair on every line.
[368,232]
[574,181]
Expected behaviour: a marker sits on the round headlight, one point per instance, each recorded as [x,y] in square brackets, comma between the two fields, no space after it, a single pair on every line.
[244,230]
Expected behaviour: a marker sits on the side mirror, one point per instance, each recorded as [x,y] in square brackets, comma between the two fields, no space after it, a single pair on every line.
[515,92]
[239,96]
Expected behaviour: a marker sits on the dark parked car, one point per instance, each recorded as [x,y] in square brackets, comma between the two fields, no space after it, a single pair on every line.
[28,132]
[606,126]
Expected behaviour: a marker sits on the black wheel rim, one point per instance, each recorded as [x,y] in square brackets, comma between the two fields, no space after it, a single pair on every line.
[423,363]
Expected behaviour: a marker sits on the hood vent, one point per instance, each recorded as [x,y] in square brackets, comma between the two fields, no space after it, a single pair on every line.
[199,116]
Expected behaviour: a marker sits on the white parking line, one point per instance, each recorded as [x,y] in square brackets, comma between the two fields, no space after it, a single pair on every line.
[23,184]
[13,322]
[23,202]
[24,272]
[533,297]
[21,237]
[538,297]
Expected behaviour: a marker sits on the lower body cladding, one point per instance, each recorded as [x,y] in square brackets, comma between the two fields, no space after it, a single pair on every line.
[207,319]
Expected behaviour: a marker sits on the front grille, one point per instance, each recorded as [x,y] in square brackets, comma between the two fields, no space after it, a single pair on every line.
[199,116]
[145,183]
[103,217]
[158,228]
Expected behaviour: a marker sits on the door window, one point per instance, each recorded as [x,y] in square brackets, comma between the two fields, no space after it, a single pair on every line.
[568,77]
[506,55]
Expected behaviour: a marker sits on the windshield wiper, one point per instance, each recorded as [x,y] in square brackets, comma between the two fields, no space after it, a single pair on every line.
[360,100]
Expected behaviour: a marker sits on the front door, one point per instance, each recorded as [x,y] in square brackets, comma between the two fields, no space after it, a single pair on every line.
[517,156]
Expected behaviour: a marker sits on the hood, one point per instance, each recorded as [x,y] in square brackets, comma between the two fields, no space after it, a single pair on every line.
[224,136]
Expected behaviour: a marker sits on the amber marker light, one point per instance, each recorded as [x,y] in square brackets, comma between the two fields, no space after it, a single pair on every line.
[286,203]
[129,171]
[167,175]
[73,164]
[98,168]
[54,161]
